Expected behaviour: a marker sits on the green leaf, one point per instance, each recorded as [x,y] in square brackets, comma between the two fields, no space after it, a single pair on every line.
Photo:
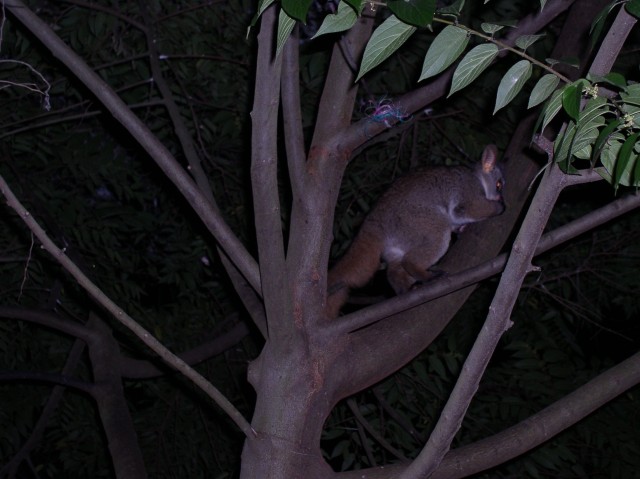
[633,112]
[581,135]
[437,366]
[491,28]
[297,9]
[512,83]
[599,22]
[608,158]
[452,10]
[452,364]
[601,140]
[544,87]
[262,6]
[386,39]
[344,18]
[587,127]
[615,79]
[554,356]
[444,50]
[508,23]
[473,63]
[420,370]
[571,100]
[624,161]
[633,7]
[551,109]
[355,4]
[571,61]
[525,41]
[593,109]
[631,94]
[285,26]
[562,145]
[636,174]
[415,12]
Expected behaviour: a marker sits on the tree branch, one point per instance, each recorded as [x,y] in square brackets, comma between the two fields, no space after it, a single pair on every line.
[158,152]
[11,467]
[527,434]
[247,296]
[47,319]
[179,126]
[50,378]
[454,282]
[363,130]
[264,179]
[612,43]
[379,438]
[250,298]
[547,423]
[109,11]
[292,116]
[312,209]
[112,406]
[101,298]
[131,368]
[338,95]
[497,322]
[498,319]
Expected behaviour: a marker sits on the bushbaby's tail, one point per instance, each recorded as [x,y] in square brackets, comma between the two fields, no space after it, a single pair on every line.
[353,270]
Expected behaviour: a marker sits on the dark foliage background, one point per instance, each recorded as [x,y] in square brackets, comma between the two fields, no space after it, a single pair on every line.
[97,194]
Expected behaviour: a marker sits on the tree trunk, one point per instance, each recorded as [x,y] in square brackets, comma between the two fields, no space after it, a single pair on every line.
[291,408]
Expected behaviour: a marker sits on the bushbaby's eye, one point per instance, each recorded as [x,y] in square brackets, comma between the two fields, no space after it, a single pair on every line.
[499,185]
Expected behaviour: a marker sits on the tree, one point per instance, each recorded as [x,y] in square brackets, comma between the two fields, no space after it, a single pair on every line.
[307,362]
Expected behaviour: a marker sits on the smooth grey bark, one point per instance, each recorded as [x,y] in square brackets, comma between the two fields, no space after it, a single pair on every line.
[497,322]
[293,391]
[113,409]
[528,434]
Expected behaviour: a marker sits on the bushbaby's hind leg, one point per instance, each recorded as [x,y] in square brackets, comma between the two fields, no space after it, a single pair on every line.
[402,281]
[416,264]
[398,278]
[336,297]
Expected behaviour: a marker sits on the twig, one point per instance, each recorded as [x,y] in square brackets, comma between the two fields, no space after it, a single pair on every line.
[26,269]
[362,421]
[101,298]
[156,150]
[497,322]
[292,116]
[264,182]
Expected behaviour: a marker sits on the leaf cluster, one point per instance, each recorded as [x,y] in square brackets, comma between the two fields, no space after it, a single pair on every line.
[604,134]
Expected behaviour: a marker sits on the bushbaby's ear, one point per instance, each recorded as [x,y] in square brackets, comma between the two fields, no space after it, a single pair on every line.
[489,158]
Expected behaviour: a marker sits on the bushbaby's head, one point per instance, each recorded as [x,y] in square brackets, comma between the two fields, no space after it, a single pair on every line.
[491,178]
